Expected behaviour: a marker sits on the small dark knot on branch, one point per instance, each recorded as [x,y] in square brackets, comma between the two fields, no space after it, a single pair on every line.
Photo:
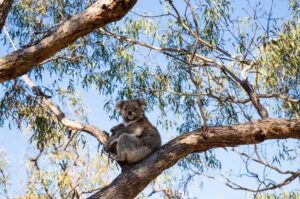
[260,136]
[104,7]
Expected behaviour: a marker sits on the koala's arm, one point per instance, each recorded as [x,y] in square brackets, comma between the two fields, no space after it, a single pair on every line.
[118,129]
[116,132]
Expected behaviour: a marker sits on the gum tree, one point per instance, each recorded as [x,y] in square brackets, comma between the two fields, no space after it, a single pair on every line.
[219,74]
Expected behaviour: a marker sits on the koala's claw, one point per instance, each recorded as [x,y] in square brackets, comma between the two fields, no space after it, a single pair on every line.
[106,133]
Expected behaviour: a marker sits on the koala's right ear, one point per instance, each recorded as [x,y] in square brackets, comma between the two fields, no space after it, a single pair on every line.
[142,103]
[119,105]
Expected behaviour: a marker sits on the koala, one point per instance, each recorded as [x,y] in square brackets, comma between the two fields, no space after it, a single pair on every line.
[136,138]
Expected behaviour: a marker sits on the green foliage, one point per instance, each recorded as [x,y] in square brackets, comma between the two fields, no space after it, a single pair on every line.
[174,61]
[4,177]
[279,65]
[284,195]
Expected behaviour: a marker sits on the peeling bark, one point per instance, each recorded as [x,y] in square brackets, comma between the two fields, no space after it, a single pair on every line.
[134,179]
[5,6]
[97,15]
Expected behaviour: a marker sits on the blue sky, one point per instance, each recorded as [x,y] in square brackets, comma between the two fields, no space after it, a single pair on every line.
[15,143]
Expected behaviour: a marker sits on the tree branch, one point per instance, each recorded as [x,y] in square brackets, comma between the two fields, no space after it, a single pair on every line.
[262,111]
[134,179]
[5,6]
[97,15]
[61,117]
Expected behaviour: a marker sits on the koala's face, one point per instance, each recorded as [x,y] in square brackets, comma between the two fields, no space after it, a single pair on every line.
[131,110]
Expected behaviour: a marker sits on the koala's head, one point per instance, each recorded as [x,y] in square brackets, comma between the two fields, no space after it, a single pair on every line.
[131,110]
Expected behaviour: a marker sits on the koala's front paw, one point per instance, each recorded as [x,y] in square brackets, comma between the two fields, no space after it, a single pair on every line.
[106,133]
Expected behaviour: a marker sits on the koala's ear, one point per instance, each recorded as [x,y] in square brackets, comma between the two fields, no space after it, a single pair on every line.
[119,105]
[142,103]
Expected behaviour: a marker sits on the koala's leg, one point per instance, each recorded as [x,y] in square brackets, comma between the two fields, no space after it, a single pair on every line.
[131,149]
[137,154]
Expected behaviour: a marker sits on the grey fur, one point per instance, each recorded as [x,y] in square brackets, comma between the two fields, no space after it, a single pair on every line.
[137,137]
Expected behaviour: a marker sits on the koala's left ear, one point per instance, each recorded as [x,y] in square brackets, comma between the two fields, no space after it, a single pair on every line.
[119,105]
[142,103]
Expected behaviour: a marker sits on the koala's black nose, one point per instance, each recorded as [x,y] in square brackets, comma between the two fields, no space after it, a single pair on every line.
[130,112]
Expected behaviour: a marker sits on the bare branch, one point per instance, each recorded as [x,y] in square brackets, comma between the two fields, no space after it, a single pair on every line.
[262,111]
[280,96]
[141,174]
[97,15]
[265,163]
[197,85]
[237,186]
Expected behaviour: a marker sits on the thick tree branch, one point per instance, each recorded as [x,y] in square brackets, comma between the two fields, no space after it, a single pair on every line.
[97,15]
[5,6]
[133,180]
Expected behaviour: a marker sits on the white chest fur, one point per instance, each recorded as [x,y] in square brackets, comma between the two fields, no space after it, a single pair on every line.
[138,131]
